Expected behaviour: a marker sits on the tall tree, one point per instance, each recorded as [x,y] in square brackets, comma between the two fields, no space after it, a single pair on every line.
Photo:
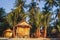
[35,18]
[47,18]
[17,14]
[3,22]
[51,3]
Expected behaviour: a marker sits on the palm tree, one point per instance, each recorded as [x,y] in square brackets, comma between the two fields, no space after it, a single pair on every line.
[35,18]
[16,15]
[47,15]
[32,18]
[51,3]
[46,23]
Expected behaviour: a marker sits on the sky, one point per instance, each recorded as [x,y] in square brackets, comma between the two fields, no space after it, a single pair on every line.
[9,4]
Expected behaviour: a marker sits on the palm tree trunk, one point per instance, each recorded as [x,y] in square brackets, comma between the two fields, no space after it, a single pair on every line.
[38,33]
[45,32]
[14,27]
[14,30]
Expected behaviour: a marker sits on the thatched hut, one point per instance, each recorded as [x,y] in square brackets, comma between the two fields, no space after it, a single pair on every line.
[22,29]
[7,33]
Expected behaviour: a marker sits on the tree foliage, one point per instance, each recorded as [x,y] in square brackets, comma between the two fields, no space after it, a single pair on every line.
[37,18]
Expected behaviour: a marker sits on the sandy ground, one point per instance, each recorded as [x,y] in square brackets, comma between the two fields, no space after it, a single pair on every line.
[30,39]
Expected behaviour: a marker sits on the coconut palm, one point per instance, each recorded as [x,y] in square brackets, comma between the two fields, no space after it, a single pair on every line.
[51,3]
[46,19]
[46,23]
[16,15]
[35,18]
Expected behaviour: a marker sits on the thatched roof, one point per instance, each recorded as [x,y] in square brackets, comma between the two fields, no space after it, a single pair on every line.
[8,30]
[23,24]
